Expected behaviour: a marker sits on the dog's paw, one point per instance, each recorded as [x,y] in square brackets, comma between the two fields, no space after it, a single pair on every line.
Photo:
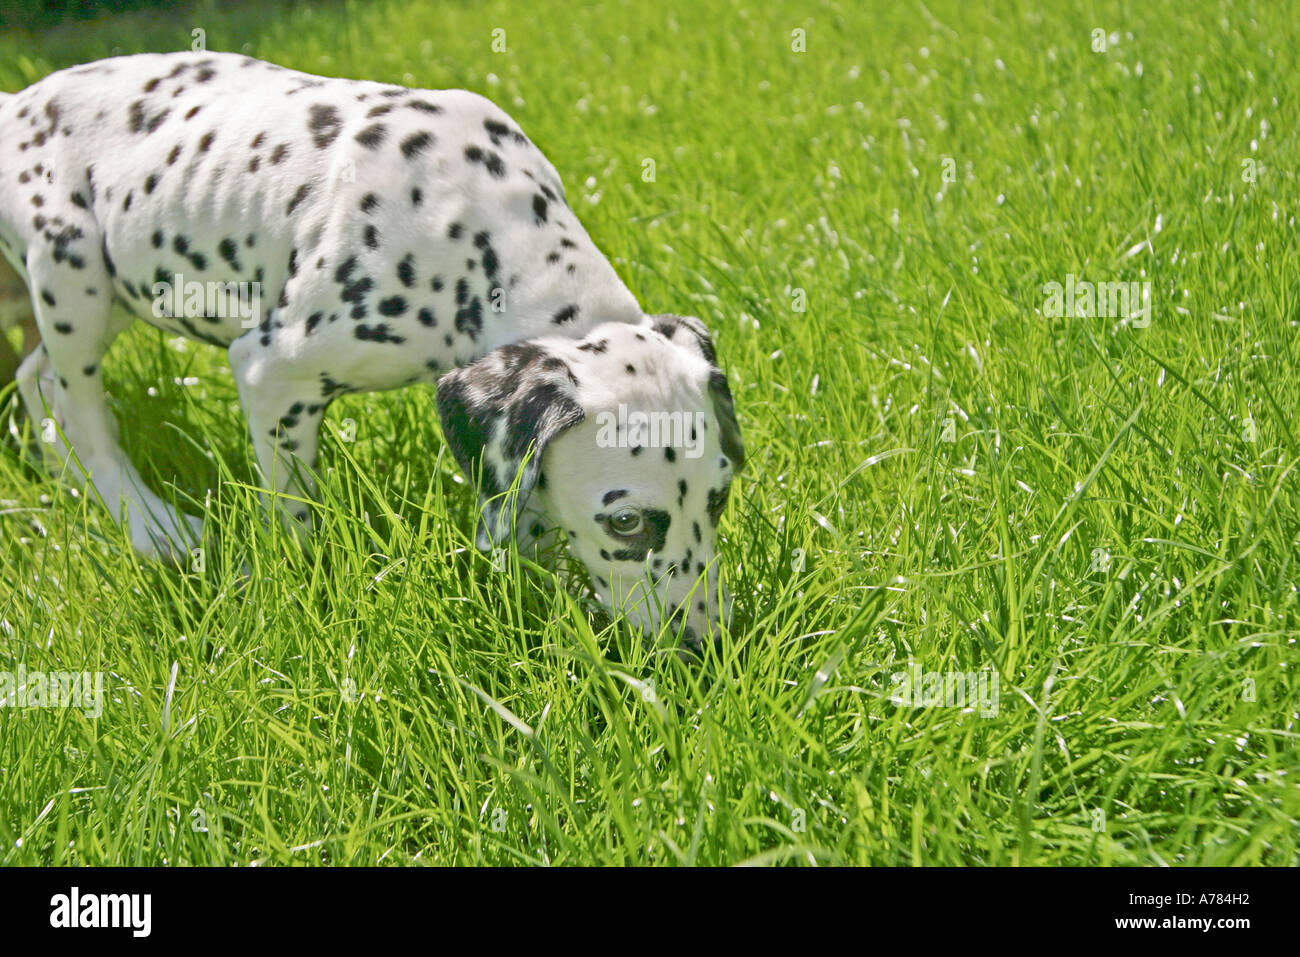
[172,539]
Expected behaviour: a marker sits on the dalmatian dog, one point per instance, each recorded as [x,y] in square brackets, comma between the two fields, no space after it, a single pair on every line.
[338,236]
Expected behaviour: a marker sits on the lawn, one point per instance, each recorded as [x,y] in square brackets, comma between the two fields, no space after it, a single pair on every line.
[1093,514]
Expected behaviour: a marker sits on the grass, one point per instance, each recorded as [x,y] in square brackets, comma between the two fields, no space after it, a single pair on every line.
[1104,513]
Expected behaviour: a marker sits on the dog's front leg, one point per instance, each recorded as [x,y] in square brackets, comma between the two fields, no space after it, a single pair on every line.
[62,386]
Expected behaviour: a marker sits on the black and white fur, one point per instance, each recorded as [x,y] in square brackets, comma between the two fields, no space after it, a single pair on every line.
[397,236]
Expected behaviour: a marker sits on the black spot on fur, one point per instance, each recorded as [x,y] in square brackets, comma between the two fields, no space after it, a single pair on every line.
[228,250]
[330,388]
[354,290]
[469,318]
[344,271]
[406,271]
[372,136]
[376,333]
[324,123]
[298,197]
[140,121]
[490,160]
[416,143]
[392,306]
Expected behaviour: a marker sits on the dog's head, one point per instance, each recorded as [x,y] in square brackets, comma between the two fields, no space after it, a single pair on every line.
[623,443]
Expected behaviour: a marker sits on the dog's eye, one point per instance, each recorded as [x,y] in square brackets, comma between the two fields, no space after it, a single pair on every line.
[626,521]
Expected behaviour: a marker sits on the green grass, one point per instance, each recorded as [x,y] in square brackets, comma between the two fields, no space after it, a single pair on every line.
[1114,528]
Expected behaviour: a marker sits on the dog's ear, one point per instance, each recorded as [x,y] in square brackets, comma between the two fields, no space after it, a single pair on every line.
[732,445]
[493,413]
[691,333]
[686,331]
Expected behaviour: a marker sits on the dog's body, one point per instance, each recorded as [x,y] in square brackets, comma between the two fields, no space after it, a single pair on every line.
[391,235]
